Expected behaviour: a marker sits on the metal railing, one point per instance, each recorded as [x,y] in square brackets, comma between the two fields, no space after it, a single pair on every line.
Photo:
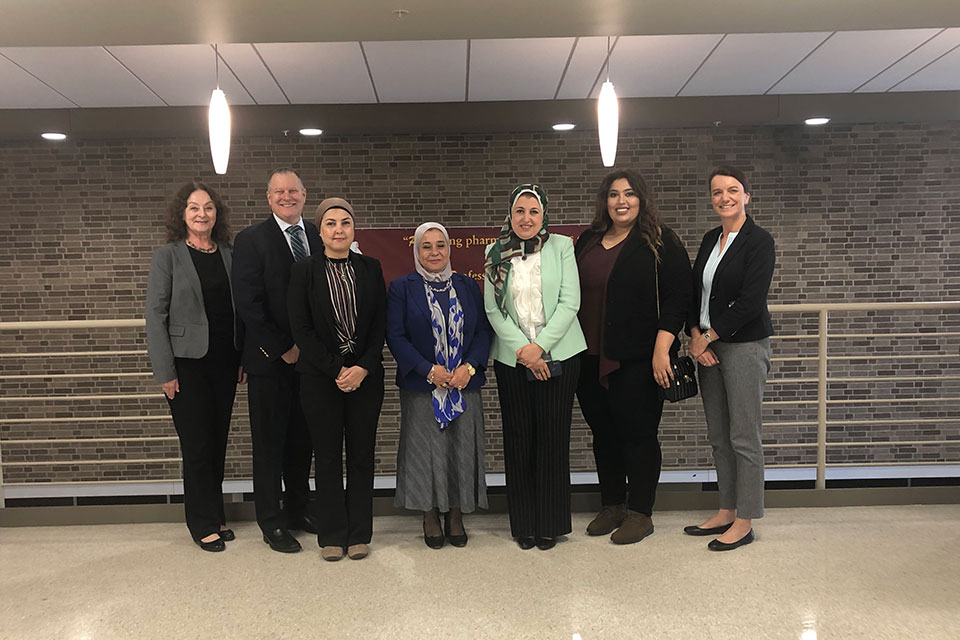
[822,357]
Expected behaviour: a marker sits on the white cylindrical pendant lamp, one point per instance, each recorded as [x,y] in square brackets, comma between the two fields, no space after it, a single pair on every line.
[219,131]
[608,123]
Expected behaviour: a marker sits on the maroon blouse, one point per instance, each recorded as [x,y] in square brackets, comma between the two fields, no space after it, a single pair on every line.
[595,264]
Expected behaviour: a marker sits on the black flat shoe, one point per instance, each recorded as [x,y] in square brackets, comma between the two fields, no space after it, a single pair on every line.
[227,535]
[281,540]
[694,530]
[213,545]
[526,542]
[458,540]
[302,523]
[716,545]
[546,543]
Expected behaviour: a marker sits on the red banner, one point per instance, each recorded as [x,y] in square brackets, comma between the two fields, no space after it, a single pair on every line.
[394,248]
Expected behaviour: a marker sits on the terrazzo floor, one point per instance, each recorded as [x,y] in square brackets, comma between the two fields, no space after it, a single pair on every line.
[853,572]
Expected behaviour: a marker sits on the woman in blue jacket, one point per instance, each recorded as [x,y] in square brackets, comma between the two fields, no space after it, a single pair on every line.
[438,333]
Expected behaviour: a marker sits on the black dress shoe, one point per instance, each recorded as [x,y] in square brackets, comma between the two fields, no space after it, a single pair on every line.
[213,545]
[302,523]
[434,542]
[694,530]
[546,543]
[458,540]
[526,542]
[716,545]
[227,535]
[281,540]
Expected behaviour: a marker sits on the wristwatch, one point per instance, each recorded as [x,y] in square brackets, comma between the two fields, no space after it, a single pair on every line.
[470,369]
[706,335]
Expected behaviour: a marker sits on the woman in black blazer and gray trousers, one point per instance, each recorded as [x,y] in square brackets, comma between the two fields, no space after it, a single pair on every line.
[192,339]
[337,303]
[730,329]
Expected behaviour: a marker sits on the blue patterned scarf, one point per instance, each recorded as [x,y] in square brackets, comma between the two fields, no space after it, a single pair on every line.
[448,347]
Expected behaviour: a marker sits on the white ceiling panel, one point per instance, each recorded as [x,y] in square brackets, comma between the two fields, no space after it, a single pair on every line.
[748,63]
[929,52]
[656,66]
[246,64]
[319,72]
[850,58]
[89,76]
[942,75]
[587,59]
[518,69]
[181,74]
[427,71]
[20,90]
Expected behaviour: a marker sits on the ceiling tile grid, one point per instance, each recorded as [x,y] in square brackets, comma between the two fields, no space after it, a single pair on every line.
[848,59]
[928,53]
[430,71]
[245,63]
[20,90]
[319,72]
[518,69]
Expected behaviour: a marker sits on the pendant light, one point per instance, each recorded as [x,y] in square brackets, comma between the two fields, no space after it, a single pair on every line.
[219,120]
[608,118]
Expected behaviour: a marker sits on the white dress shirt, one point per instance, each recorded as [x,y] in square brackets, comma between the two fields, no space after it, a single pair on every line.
[710,270]
[284,225]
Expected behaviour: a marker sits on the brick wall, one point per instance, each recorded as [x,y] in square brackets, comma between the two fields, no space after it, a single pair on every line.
[864,212]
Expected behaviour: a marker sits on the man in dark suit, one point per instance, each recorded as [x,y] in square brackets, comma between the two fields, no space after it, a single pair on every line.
[262,257]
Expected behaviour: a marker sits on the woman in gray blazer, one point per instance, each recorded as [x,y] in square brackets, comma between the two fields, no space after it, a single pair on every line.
[192,339]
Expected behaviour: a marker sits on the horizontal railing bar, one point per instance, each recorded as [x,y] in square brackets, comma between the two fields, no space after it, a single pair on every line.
[913,463]
[889,400]
[71,324]
[924,356]
[804,307]
[889,378]
[38,376]
[52,463]
[800,423]
[69,354]
[896,421]
[791,380]
[785,402]
[897,334]
[85,440]
[131,396]
[890,443]
[795,336]
[84,419]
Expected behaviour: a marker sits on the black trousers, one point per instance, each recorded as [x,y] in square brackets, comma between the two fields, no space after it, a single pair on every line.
[201,415]
[536,448]
[625,419]
[281,448]
[344,517]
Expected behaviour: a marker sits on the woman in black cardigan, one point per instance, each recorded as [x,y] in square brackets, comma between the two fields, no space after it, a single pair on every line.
[635,288]
[337,303]
[730,328]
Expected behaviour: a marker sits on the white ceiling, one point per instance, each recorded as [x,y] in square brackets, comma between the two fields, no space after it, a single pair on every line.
[481,70]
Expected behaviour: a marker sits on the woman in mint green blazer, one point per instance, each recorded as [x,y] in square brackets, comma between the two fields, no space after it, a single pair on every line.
[531,297]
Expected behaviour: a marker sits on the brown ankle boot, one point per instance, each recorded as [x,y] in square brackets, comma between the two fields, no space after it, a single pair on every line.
[609,518]
[636,526]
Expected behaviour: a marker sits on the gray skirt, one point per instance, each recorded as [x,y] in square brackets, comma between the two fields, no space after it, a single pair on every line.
[436,468]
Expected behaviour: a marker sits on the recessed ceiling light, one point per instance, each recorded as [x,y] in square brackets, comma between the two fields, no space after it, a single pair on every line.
[310,132]
[817,121]
[564,126]
[50,135]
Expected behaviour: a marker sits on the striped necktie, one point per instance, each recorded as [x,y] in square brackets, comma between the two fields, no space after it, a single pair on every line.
[296,242]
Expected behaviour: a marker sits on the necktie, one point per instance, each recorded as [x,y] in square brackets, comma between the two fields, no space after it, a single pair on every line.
[296,242]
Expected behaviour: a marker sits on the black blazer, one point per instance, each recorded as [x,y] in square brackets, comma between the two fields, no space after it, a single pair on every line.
[631,322]
[261,275]
[311,316]
[738,298]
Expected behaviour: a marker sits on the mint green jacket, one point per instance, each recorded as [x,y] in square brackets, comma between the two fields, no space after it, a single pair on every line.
[562,337]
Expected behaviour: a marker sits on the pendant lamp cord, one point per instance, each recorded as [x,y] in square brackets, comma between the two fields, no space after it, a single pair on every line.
[216,55]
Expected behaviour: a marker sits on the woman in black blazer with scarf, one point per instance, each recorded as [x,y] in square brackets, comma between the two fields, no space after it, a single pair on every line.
[337,305]
[635,292]
[730,329]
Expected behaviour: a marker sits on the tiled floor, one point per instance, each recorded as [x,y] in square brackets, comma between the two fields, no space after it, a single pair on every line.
[877,572]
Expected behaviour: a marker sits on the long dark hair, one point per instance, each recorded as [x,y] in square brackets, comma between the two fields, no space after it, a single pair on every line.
[648,221]
[177,228]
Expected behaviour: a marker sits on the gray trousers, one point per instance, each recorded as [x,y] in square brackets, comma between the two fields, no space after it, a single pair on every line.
[732,393]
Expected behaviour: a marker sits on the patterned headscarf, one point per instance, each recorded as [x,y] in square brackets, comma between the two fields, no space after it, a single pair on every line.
[447,271]
[508,245]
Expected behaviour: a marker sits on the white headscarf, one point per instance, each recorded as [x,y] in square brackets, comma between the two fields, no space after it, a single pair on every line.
[417,237]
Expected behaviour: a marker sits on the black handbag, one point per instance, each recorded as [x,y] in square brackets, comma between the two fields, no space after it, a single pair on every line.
[684,383]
